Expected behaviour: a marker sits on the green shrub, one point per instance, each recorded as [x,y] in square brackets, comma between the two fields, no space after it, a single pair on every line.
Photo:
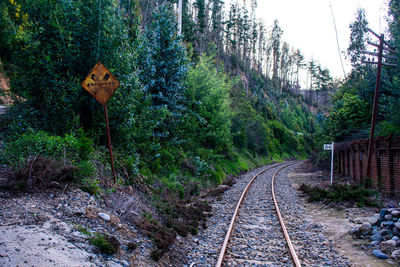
[342,193]
[85,169]
[219,175]
[105,243]
[83,230]
[130,163]
[173,184]
[85,145]
[90,185]
[31,143]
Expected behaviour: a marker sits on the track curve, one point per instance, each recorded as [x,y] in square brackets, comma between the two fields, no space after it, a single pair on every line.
[235,214]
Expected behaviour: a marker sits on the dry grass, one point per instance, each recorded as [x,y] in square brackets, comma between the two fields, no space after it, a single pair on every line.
[38,173]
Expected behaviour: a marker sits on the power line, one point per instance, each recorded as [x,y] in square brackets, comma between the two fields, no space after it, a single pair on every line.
[337,40]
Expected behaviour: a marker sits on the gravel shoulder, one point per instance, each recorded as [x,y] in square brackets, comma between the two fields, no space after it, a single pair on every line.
[337,221]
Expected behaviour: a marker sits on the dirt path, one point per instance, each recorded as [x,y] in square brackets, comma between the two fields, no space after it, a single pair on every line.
[337,222]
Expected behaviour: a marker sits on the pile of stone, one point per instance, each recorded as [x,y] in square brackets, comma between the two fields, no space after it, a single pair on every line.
[383,231]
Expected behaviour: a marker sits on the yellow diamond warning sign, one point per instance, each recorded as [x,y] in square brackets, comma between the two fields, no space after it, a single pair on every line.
[100,83]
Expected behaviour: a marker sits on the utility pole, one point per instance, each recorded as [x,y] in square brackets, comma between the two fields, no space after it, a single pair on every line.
[390,60]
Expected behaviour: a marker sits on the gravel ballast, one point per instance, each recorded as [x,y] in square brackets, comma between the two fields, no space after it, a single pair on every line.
[257,239]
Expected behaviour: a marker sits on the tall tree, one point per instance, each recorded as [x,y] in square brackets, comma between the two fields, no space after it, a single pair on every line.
[261,48]
[312,70]
[202,20]
[358,39]
[217,26]
[299,62]
[188,25]
[284,65]
[276,35]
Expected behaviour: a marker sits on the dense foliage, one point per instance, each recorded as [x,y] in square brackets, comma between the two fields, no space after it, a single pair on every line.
[194,106]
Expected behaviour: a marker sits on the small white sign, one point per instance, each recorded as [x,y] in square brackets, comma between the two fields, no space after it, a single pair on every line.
[328,146]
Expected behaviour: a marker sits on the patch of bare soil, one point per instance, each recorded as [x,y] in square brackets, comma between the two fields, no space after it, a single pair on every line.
[338,219]
[57,227]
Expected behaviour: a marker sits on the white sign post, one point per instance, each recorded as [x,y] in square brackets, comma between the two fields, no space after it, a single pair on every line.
[330,147]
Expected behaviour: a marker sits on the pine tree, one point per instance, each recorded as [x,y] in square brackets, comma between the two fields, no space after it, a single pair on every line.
[202,19]
[276,52]
[299,62]
[188,25]
[358,39]
[217,27]
[284,64]
[261,47]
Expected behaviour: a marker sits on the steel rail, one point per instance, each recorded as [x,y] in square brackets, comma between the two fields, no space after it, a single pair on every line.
[285,233]
[228,233]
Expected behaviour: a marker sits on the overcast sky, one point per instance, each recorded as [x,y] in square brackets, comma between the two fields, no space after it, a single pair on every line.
[308,25]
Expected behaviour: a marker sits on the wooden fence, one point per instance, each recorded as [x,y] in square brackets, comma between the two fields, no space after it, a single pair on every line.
[351,160]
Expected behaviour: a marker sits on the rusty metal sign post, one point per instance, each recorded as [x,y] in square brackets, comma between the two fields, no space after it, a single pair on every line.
[101,84]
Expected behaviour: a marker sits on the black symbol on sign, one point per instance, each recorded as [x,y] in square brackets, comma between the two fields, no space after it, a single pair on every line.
[105,78]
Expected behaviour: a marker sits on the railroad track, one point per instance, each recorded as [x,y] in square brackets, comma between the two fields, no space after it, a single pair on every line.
[255,226]
[256,239]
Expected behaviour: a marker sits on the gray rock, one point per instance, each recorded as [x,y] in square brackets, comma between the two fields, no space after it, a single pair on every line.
[385,232]
[79,211]
[374,244]
[395,213]
[383,213]
[104,216]
[376,237]
[357,220]
[353,231]
[373,220]
[68,211]
[73,211]
[111,263]
[396,231]
[375,231]
[388,217]
[379,254]
[397,225]
[389,224]
[390,242]
[395,254]
[366,228]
